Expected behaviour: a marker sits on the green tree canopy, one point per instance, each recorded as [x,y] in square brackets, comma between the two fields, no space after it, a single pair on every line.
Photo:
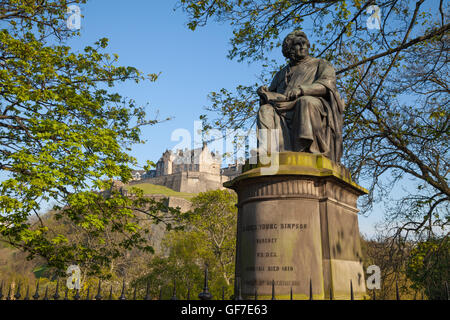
[65,137]
[209,238]
[428,267]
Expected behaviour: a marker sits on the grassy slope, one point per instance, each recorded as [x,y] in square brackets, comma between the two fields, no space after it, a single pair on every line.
[149,188]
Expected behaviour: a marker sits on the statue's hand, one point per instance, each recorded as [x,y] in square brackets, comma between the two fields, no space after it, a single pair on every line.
[294,94]
[261,90]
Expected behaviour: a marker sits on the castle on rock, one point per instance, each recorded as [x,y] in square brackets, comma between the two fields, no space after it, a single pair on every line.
[192,171]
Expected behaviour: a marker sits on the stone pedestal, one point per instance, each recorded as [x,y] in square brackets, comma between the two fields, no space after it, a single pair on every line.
[298,225]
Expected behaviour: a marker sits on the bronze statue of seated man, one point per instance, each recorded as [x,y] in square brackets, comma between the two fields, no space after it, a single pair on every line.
[302,103]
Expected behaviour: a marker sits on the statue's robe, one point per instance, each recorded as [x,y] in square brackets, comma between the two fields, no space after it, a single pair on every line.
[309,123]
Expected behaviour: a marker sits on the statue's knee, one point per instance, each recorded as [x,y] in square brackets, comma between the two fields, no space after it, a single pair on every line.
[266,109]
[309,102]
[307,99]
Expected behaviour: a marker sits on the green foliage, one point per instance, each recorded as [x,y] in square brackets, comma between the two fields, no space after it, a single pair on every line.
[41,271]
[429,265]
[64,138]
[182,266]
[208,238]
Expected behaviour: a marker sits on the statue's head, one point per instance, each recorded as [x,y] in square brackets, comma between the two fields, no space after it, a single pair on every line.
[296,46]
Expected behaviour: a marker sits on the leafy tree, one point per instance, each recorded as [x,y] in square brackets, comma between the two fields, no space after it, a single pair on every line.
[182,266]
[64,138]
[209,238]
[215,217]
[394,80]
[428,267]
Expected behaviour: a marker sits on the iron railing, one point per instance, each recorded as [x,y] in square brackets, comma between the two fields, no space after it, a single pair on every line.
[204,295]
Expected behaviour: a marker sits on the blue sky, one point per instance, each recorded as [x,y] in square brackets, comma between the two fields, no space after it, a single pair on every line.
[152,37]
